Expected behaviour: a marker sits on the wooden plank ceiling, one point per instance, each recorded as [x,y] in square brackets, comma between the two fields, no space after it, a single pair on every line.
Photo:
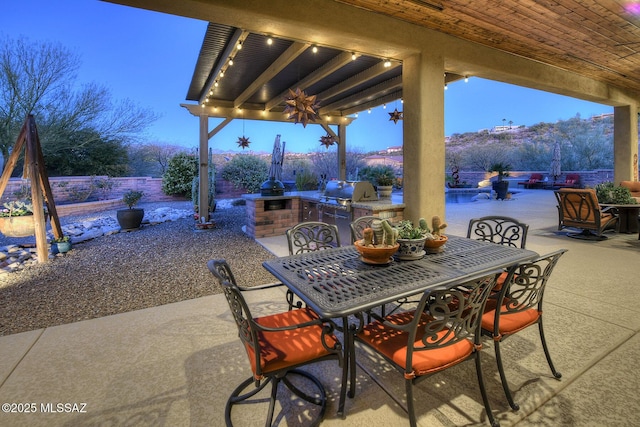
[599,39]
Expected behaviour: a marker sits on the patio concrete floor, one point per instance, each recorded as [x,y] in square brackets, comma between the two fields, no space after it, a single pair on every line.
[175,365]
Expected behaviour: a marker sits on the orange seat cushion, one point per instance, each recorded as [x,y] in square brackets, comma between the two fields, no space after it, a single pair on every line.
[282,349]
[393,344]
[510,323]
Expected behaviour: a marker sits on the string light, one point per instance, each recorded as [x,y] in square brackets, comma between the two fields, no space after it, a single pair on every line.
[369,111]
[221,73]
[230,61]
[387,63]
[384,106]
[466,79]
[269,41]
[314,49]
[239,46]
[353,56]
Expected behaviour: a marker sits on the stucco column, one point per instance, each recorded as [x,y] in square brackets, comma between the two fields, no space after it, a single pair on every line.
[625,144]
[203,170]
[423,127]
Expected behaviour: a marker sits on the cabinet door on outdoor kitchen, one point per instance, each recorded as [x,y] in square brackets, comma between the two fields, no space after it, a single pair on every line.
[310,211]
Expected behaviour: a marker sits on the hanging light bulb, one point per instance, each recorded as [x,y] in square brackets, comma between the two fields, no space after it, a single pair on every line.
[230,61]
[384,106]
[387,63]
[369,111]
[356,115]
[203,105]
[221,73]
[314,49]
[269,41]
[446,86]
[401,100]
[210,91]
[353,56]
[239,46]
[466,79]
[216,83]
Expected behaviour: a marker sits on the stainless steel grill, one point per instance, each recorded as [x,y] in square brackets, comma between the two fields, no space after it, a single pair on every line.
[341,194]
[335,204]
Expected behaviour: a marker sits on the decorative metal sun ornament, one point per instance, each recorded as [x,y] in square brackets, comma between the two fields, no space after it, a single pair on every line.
[243,142]
[327,141]
[395,116]
[300,107]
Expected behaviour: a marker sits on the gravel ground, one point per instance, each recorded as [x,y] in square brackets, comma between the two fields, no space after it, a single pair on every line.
[158,264]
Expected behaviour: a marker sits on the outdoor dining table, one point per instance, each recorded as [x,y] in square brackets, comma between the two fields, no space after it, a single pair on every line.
[336,283]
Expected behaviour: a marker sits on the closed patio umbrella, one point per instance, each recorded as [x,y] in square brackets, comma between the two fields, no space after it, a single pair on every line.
[556,170]
[277,158]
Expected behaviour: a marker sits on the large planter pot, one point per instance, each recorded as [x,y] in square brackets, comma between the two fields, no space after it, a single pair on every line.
[410,249]
[18,226]
[384,192]
[501,188]
[130,219]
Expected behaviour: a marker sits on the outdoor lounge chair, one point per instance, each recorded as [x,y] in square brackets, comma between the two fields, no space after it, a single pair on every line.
[534,181]
[571,181]
[579,208]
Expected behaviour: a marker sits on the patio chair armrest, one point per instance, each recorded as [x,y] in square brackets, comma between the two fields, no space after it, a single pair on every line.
[259,287]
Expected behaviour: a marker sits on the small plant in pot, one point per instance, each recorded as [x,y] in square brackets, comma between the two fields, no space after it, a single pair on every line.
[60,245]
[411,239]
[383,177]
[131,218]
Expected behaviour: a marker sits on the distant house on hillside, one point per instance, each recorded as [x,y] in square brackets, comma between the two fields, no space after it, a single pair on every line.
[394,161]
[396,149]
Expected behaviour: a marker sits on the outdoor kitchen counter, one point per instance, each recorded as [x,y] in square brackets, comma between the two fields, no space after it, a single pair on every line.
[274,215]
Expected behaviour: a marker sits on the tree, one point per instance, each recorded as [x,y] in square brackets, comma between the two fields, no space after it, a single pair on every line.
[38,78]
[151,159]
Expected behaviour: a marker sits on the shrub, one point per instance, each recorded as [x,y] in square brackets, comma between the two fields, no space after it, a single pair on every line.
[608,192]
[246,171]
[181,170]
[306,181]
[379,174]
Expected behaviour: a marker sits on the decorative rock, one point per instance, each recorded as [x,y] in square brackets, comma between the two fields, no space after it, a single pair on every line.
[14,257]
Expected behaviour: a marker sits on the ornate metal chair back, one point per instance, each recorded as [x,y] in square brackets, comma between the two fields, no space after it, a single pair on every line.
[360,224]
[312,236]
[503,230]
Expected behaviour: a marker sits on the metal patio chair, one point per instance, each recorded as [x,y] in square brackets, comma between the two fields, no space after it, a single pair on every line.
[312,236]
[278,345]
[517,306]
[503,230]
[442,331]
[359,224]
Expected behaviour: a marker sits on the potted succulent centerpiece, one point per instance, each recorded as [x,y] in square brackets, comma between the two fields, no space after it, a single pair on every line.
[60,245]
[131,218]
[379,242]
[501,187]
[16,219]
[411,239]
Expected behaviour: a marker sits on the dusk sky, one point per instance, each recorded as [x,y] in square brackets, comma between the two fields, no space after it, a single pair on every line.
[150,57]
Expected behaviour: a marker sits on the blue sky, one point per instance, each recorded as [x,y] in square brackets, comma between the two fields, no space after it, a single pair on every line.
[149,57]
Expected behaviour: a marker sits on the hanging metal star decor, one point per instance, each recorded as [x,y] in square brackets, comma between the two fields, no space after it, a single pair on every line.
[396,115]
[243,142]
[327,141]
[300,107]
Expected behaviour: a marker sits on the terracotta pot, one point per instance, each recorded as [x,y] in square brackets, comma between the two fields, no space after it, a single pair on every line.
[18,226]
[435,246]
[376,255]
